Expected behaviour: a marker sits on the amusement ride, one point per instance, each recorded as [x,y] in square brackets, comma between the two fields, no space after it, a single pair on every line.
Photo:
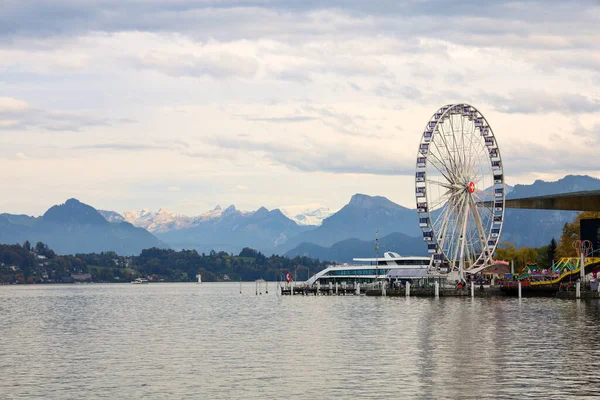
[459,188]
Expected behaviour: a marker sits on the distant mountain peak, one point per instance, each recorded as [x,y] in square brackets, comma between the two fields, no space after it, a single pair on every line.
[307,215]
[261,212]
[229,210]
[74,211]
[365,201]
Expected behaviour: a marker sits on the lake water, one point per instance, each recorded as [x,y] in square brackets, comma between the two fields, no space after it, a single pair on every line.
[208,341]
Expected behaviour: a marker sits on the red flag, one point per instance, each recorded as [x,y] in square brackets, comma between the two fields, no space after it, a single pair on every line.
[288,277]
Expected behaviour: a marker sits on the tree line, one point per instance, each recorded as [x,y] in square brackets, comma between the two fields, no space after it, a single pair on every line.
[39,264]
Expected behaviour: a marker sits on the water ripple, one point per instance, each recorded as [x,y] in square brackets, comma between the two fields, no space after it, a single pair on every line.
[208,341]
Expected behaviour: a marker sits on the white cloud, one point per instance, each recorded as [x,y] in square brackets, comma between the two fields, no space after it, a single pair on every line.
[311,95]
[9,105]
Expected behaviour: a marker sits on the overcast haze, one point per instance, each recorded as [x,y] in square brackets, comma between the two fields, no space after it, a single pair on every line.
[190,104]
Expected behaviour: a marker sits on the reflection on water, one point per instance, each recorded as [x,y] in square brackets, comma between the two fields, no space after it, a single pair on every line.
[208,341]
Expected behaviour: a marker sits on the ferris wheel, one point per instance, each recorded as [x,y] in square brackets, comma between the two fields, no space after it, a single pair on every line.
[459,189]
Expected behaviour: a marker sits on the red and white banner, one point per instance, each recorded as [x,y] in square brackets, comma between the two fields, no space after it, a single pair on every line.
[288,277]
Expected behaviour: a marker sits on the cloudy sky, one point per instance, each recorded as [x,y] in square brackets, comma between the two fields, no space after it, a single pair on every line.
[190,104]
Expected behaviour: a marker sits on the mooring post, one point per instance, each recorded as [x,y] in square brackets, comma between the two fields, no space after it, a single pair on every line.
[318,288]
[292,287]
[578,290]
[344,288]
[437,289]
[407,289]
[330,288]
[357,290]
[383,293]
[266,287]
[519,289]
[582,269]
[336,288]
[472,289]
[256,286]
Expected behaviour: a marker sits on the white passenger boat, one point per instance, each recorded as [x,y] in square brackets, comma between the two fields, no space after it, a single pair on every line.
[391,267]
[139,281]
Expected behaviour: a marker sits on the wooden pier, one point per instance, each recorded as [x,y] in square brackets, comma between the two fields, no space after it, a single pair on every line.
[354,290]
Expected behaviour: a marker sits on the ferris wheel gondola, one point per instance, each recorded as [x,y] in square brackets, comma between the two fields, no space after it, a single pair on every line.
[459,188]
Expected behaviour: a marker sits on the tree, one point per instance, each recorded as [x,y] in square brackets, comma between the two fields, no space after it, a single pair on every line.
[27,245]
[551,251]
[571,233]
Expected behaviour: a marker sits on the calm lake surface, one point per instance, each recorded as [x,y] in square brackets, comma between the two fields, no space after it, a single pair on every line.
[209,341]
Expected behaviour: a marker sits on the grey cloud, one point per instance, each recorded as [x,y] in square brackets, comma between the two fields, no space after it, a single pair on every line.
[534,102]
[175,144]
[340,158]
[217,65]
[35,118]
[295,118]
[465,21]
[119,146]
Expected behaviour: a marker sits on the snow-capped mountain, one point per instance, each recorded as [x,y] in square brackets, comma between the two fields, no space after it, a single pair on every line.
[111,216]
[307,216]
[163,220]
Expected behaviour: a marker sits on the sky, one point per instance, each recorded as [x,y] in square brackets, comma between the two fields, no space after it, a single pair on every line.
[300,104]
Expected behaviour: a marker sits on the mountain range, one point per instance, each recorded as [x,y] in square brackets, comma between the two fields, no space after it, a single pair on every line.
[345,250]
[74,227]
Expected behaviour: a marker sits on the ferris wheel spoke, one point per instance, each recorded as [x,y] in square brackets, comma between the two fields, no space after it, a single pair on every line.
[459,154]
[450,150]
[440,200]
[478,224]
[471,158]
[442,184]
[441,168]
[462,222]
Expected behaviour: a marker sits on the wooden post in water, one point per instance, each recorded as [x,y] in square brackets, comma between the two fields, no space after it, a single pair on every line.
[472,289]
[383,293]
[292,288]
[336,288]
[578,290]
[256,284]
[407,289]
[436,289]
[519,289]
[357,288]
[582,269]
[330,288]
